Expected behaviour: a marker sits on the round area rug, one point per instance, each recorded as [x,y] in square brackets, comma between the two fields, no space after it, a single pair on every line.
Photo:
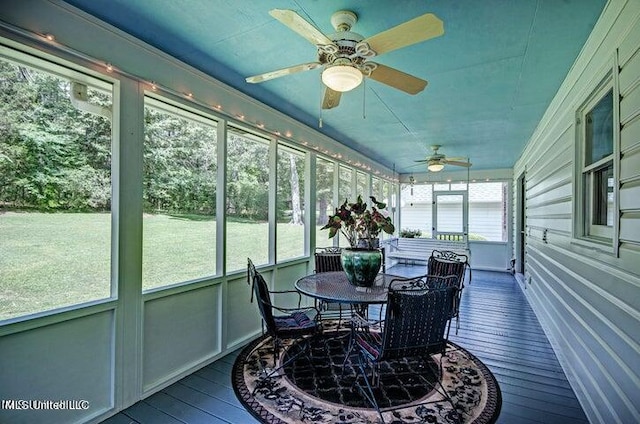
[314,387]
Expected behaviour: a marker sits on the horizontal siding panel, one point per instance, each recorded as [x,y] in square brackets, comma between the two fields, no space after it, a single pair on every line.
[560,177]
[613,296]
[630,196]
[630,227]
[630,135]
[551,223]
[564,207]
[630,74]
[630,165]
[574,331]
[614,328]
[630,257]
[557,159]
[563,191]
[630,106]
[554,142]
[629,45]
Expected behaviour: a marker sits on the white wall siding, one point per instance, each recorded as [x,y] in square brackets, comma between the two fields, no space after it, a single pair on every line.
[588,299]
[70,360]
[180,332]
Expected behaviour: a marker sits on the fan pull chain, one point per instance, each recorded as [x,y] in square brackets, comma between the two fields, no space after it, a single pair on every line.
[321,98]
[364,94]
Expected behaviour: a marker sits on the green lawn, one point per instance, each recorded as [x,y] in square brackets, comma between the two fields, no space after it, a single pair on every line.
[51,260]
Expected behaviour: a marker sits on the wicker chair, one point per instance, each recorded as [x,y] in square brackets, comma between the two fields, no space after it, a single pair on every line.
[444,263]
[278,322]
[414,326]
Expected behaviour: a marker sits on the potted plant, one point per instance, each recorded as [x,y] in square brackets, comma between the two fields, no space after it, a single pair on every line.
[361,227]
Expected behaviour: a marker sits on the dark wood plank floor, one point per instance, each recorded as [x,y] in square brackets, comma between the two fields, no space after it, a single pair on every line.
[497,325]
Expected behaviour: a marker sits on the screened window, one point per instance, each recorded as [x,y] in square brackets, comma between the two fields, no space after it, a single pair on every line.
[597,184]
[247,203]
[179,195]
[345,187]
[488,211]
[385,197]
[361,183]
[345,190]
[55,188]
[376,189]
[325,171]
[416,210]
[290,209]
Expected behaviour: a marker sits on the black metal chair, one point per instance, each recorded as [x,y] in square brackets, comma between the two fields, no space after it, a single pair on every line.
[278,322]
[327,259]
[444,263]
[413,327]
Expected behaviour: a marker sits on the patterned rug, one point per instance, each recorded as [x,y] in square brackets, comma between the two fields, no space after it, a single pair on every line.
[314,387]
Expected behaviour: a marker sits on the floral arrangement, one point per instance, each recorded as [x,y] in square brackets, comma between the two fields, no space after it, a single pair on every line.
[359,225]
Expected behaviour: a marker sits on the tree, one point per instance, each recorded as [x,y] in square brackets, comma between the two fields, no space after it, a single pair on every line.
[52,156]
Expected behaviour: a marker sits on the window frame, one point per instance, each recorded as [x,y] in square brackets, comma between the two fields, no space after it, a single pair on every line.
[585,232]
[23,55]
[170,106]
[282,146]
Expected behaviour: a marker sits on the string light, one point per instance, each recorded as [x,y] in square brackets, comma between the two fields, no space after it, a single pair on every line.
[154,87]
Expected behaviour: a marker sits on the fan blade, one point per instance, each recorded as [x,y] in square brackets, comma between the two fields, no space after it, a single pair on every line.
[282,72]
[300,25]
[414,31]
[331,98]
[457,163]
[398,79]
[422,160]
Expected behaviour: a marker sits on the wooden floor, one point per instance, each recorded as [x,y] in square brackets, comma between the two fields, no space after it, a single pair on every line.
[497,325]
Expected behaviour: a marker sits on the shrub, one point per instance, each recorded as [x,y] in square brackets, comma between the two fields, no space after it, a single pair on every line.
[409,233]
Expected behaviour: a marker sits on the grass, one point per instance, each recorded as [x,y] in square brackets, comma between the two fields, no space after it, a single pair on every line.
[51,260]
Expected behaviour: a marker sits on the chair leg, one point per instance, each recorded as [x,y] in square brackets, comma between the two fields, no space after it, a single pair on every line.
[444,391]
[368,393]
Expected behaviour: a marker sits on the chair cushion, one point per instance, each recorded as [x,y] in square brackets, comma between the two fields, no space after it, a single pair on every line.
[370,343]
[296,322]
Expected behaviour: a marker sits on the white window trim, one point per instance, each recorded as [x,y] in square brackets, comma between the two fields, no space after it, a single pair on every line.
[601,238]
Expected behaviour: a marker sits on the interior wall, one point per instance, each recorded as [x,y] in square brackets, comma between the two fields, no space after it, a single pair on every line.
[588,299]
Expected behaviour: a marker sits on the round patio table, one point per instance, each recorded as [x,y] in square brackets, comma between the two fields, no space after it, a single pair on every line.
[334,287]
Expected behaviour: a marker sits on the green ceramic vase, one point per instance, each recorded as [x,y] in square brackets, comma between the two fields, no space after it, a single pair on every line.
[361,265]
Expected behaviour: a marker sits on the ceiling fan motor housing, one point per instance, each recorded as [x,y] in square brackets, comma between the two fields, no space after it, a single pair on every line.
[343,20]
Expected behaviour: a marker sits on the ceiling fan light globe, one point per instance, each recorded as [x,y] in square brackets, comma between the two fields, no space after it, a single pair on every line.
[435,166]
[342,77]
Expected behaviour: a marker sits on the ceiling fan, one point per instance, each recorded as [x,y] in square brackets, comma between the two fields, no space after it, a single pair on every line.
[436,161]
[345,55]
